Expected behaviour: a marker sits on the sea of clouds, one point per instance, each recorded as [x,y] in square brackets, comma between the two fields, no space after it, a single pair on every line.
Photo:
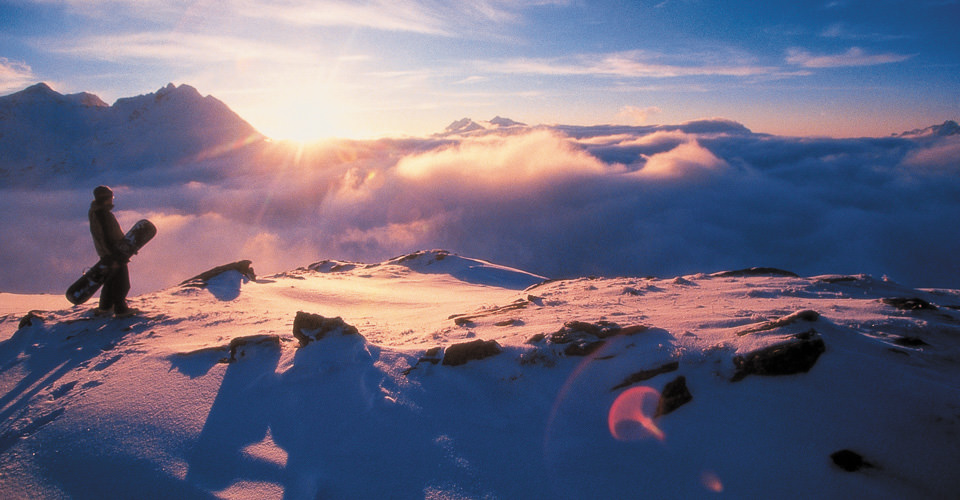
[557,201]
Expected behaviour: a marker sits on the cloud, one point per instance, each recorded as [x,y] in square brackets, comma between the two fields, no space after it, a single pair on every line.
[187,48]
[610,200]
[855,56]
[14,75]
[429,17]
[632,64]
[637,115]
[685,161]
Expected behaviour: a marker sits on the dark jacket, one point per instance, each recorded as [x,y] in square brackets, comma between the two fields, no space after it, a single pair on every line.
[105,230]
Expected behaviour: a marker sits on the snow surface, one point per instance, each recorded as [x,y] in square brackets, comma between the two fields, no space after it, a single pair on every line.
[159,406]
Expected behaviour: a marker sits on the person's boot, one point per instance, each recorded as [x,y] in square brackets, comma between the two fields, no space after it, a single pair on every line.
[126,313]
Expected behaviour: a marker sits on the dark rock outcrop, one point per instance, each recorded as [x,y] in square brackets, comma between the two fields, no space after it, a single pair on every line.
[908,304]
[755,271]
[805,315]
[29,319]
[238,345]
[796,355]
[458,354]
[242,266]
[582,338]
[467,319]
[849,460]
[643,375]
[431,356]
[910,342]
[308,327]
[675,394]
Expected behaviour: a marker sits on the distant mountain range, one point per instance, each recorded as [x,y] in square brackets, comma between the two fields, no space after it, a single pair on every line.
[467,126]
[948,127]
[50,138]
[80,136]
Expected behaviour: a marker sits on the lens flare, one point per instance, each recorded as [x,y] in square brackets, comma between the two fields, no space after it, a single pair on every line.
[631,415]
[711,481]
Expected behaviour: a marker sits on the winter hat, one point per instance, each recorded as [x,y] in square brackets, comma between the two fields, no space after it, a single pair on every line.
[102,193]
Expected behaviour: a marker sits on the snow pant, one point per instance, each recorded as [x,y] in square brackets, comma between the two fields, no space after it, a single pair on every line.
[115,289]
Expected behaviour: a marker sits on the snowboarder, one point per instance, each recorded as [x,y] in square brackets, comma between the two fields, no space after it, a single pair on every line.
[106,236]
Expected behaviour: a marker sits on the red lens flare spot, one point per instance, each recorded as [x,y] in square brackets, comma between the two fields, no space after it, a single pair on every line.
[631,415]
[711,481]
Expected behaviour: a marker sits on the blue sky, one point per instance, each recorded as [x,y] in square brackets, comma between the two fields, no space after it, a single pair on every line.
[308,69]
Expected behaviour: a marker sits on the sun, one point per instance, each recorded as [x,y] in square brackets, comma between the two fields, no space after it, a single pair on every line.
[295,113]
[301,122]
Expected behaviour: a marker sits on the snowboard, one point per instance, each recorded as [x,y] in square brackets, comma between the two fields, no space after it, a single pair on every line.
[91,281]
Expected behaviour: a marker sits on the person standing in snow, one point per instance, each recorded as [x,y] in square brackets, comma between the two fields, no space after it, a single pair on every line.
[106,236]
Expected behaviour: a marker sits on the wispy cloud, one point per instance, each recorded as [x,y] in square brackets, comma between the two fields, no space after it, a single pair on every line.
[174,46]
[406,16]
[855,56]
[14,75]
[843,31]
[431,17]
[631,64]
[637,115]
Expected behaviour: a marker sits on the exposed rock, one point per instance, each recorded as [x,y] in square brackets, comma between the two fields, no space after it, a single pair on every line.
[537,357]
[839,279]
[908,304]
[910,342]
[242,266]
[755,271]
[29,319]
[332,266]
[583,348]
[238,343]
[642,375]
[849,461]
[582,338]
[431,255]
[308,327]
[805,315]
[675,394]
[796,355]
[458,354]
[431,356]
[466,319]
[577,330]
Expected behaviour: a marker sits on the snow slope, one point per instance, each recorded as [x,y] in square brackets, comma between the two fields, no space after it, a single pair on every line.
[210,394]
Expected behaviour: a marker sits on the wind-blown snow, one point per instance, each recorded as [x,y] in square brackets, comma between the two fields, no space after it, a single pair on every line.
[208,394]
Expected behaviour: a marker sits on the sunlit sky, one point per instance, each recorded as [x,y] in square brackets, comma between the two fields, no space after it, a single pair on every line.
[298,69]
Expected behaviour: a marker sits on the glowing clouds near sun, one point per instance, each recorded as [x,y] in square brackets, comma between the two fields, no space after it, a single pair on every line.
[528,160]
[557,201]
[631,415]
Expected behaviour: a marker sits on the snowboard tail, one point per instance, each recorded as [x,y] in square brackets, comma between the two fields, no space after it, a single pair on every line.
[91,281]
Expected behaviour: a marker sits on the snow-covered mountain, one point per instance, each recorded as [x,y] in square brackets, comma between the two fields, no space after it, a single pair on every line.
[48,136]
[466,126]
[438,376]
[945,129]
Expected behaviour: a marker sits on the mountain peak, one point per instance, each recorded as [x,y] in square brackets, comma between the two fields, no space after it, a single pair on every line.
[467,125]
[463,125]
[946,128]
[36,92]
[39,88]
[506,122]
